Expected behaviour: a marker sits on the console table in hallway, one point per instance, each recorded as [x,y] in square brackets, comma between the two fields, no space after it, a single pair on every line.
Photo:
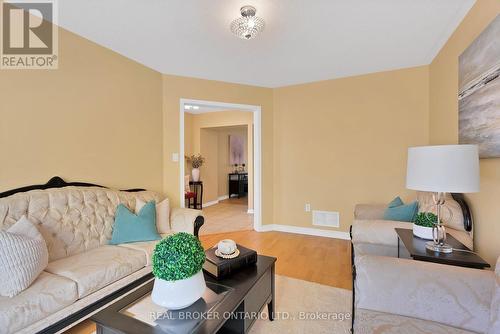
[238,184]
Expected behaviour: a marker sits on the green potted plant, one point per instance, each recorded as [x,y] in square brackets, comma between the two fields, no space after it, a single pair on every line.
[424,224]
[177,267]
[196,162]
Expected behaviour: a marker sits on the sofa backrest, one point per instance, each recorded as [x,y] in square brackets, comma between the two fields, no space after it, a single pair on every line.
[71,219]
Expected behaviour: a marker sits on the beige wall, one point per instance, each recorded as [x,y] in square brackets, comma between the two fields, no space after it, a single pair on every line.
[222,122]
[97,119]
[342,142]
[209,148]
[444,124]
[175,88]
[188,140]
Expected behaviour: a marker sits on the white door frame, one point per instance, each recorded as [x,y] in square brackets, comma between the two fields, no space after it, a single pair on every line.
[257,158]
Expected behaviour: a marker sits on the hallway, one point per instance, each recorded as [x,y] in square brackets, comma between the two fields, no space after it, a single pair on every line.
[228,215]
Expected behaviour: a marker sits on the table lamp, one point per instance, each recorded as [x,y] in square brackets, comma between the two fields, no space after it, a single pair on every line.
[441,169]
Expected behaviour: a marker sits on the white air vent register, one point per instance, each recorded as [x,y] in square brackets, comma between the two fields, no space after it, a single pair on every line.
[326,218]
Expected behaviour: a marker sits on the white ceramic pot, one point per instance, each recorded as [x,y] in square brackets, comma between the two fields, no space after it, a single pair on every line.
[195,173]
[422,232]
[175,295]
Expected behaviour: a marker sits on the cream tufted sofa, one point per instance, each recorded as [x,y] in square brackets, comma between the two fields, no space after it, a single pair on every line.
[77,223]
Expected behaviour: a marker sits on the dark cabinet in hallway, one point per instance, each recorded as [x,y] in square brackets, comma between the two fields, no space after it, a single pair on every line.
[238,184]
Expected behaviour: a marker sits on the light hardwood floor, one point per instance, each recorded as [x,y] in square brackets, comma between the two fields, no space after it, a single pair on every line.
[316,259]
[227,216]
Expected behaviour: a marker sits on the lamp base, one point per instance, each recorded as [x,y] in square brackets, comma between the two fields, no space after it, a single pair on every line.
[444,248]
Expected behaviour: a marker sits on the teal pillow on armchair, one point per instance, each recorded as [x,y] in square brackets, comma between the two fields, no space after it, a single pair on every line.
[130,227]
[395,202]
[397,210]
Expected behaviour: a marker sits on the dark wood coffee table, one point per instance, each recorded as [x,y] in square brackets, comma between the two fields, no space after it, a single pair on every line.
[230,305]
[415,246]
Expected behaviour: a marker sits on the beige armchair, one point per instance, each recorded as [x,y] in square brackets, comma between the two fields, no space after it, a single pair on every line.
[392,295]
[404,296]
[371,234]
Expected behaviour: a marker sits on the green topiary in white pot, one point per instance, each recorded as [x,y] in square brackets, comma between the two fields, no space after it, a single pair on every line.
[424,224]
[177,266]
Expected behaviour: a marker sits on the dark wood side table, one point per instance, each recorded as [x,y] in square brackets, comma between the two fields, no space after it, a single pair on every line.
[243,295]
[414,247]
[197,188]
[238,184]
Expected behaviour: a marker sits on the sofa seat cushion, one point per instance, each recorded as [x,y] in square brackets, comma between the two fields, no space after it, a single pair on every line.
[366,322]
[47,294]
[98,267]
[146,247]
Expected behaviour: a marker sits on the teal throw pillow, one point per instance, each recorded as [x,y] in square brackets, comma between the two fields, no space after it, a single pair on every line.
[395,202]
[130,227]
[402,213]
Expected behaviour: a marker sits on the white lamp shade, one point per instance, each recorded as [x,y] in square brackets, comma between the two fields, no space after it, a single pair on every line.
[445,168]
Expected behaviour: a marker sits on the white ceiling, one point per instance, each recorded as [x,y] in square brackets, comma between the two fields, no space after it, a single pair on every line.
[304,40]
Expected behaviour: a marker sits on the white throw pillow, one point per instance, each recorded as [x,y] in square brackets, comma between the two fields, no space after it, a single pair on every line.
[162,214]
[23,256]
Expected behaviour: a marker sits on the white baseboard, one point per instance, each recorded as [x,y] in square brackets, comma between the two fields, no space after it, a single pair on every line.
[250,211]
[305,230]
[221,198]
[210,203]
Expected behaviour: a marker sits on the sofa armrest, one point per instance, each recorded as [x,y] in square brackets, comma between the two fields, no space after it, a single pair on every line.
[454,296]
[379,232]
[369,211]
[186,220]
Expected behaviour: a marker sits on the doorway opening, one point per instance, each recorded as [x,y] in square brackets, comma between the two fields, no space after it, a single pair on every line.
[228,189]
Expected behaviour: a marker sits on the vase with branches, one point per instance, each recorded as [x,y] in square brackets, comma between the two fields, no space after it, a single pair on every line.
[196,161]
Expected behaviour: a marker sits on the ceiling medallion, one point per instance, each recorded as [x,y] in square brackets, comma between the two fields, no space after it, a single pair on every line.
[248,25]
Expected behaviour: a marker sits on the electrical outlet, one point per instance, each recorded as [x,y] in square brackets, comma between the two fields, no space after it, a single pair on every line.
[175,157]
[307,207]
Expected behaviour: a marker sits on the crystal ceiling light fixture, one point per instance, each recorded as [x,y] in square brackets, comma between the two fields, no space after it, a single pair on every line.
[248,25]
